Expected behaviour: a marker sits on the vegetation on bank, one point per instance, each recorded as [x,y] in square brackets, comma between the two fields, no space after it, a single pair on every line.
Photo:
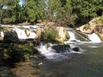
[49,35]
[64,12]
[11,53]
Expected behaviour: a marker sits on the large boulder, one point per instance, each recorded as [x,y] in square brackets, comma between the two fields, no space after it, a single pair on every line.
[54,34]
[10,36]
[99,30]
[89,28]
[62,34]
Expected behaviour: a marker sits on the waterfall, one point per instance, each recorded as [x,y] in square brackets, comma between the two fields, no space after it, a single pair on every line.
[72,35]
[47,51]
[56,52]
[1,35]
[94,38]
[22,34]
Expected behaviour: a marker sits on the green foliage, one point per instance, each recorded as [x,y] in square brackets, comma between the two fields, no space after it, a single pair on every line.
[100,20]
[87,9]
[49,34]
[54,8]
[64,12]
[16,52]
[8,14]
[40,9]
[30,9]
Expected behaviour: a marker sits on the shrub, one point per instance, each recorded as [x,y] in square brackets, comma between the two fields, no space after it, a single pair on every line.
[13,53]
[49,35]
[7,20]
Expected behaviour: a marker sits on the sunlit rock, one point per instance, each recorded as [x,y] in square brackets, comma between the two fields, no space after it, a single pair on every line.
[62,34]
[89,28]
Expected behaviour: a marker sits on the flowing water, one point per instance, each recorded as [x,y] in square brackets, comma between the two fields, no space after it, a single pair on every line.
[87,64]
[94,38]
[65,62]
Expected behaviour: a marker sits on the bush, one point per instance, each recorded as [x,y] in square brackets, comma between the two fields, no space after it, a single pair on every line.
[49,35]
[11,53]
[7,20]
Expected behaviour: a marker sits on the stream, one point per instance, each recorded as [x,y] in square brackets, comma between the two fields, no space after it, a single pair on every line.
[87,64]
[76,58]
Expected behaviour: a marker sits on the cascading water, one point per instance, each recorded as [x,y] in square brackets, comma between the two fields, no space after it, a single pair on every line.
[56,52]
[22,34]
[59,52]
[72,35]
[94,38]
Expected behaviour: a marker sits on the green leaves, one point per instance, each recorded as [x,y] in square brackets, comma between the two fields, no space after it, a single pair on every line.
[53,10]
[87,9]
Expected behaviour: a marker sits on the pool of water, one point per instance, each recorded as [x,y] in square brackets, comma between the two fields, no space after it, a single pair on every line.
[87,64]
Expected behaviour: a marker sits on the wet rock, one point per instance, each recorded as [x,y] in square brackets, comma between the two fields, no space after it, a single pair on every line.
[11,36]
[76,49]
[61,48]
[5,72]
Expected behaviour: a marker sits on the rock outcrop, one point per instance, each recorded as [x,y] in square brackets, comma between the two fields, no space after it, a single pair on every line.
[92,25]
[62,34]
[56,34]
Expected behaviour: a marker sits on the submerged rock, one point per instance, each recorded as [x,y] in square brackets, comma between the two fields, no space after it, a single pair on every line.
[76,49]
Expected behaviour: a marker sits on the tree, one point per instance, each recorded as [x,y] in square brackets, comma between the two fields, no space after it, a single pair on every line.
[9,11]
[87,9]
[31,10]
[54,8]
[41,13]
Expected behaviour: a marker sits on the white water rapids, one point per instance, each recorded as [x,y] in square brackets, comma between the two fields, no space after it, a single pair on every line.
[51,53]
[94,38]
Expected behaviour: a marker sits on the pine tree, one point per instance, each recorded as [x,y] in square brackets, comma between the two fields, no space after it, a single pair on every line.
[31,10]
[54,9]
[87,9]
[9,11]
[41,13]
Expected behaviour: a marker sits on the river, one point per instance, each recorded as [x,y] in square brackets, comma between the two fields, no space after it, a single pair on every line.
[87,64]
